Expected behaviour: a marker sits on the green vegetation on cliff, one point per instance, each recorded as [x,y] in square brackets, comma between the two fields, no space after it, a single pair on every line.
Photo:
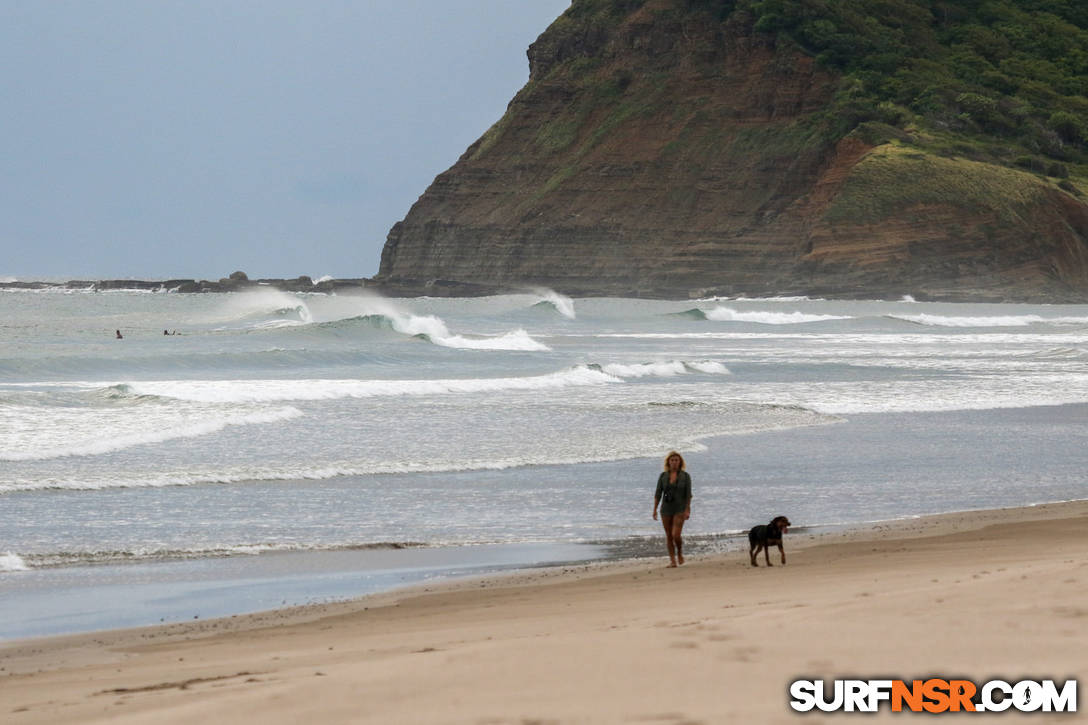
[1001,81]
[893,177]
[1002,73]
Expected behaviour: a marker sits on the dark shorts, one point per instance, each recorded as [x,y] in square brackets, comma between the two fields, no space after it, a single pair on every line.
[672,509]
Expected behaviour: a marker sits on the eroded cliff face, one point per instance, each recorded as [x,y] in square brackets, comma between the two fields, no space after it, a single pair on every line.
[663,152]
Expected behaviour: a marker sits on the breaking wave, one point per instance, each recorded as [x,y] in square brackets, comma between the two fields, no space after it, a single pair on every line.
[1062,353]
[988,321]
[104,438]
[693,314]
[273,309]
[12,562]
[433,329]
[264,308]
[263,391]
[77,558]
[665,369]
[730,418]
[728,314]
[552,300]
[249,391]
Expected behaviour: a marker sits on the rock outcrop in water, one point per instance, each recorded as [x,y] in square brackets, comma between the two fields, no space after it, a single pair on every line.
[678,148]
[236,282]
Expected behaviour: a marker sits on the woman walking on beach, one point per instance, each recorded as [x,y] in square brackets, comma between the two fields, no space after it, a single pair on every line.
[674,495]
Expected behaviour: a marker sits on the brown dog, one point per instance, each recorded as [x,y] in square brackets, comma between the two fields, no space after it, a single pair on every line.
[762,537]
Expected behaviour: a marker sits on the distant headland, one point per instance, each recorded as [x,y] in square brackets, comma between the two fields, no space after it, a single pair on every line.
[236,282]
[854,149]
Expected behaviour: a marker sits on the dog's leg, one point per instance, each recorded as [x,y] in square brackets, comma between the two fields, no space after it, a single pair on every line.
[782,551]
[753,552]
[767,554]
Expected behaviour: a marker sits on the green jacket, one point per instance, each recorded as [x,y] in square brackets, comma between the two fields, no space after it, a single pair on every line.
[674,497]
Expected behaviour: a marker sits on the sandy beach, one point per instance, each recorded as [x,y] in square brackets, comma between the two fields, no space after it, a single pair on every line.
[975,595]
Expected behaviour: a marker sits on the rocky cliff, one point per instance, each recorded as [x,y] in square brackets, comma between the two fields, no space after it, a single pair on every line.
[676,148]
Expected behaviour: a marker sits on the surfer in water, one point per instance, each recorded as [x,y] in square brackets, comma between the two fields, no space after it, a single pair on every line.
[119,336]
[674,496]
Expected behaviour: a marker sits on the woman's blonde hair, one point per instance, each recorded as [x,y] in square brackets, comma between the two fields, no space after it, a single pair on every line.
[671,454]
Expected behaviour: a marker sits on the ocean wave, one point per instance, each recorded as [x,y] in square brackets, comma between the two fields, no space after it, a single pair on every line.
[742,298]
[163,392]
[104,439]
[713,419]
[664,369]
[923,396]
[343,469]
[271,309]
[1061,353]
[988,321]
[118,393]
[264,307]
[250,391]
[12,562]
[382,313]
[762,317]
[434,330]
[515,340]
[264,391]
[708,366]
[50,290]
[552,300]
[81,558]
[693,314]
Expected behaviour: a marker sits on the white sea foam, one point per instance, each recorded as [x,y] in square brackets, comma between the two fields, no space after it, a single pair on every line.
[429,327]
[728,314]
[94,432]
[611,445]
[285,308]
[885,340]
[262,391]
[324,278]
[248,391]
[563,305]
[742,298]
[928,396]
[434,329]
[515,340]
[989,321]
[664,369]
[148,553]
[12,562]
[708,366]
[302,471]
[640,370]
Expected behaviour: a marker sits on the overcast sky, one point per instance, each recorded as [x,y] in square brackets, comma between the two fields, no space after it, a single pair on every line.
[191,138]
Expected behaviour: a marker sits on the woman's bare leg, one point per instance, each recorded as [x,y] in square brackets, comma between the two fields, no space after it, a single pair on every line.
[667,522]
[677,538]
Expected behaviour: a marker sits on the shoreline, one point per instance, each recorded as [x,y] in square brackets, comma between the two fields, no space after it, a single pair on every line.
[979,594]
[107,596]
[299,578]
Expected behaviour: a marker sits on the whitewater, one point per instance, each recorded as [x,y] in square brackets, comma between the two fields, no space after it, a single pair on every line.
[385,440]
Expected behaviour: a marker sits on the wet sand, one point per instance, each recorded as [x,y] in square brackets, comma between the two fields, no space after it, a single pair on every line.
[974,595]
